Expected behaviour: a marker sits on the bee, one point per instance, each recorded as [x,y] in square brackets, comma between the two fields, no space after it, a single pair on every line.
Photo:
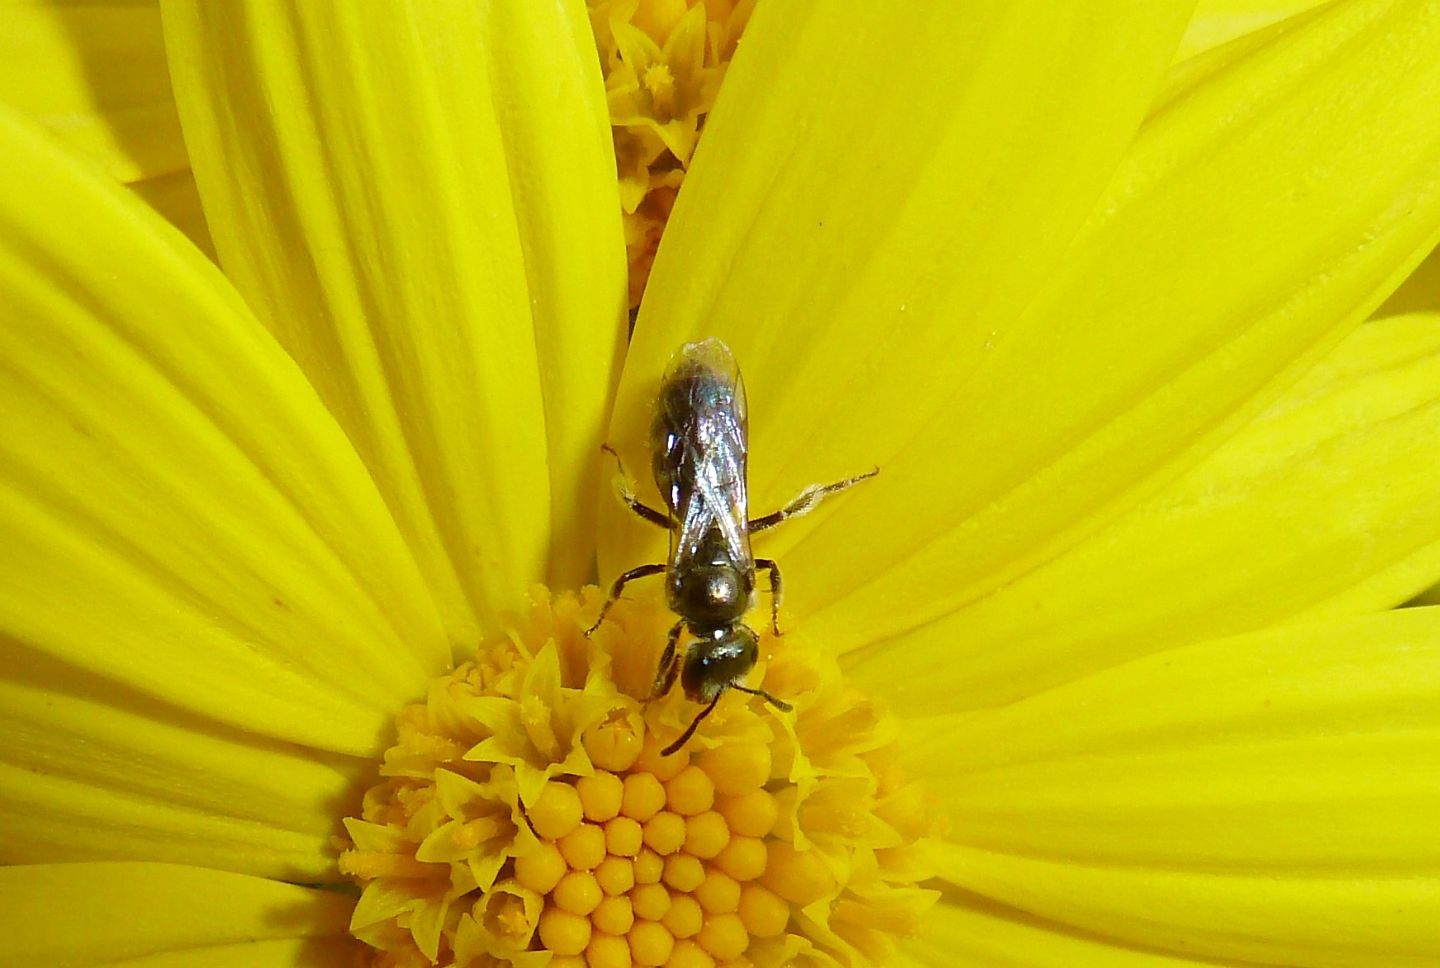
[698,447]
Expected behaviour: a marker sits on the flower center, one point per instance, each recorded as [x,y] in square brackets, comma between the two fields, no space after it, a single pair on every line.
[526,812]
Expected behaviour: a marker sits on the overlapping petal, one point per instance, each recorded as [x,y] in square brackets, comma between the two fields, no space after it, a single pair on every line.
[1251,225]
[878,187]
[91,770]
[1216,22]
[1266,798]
[94,75]
[1322,507]
[181,516]
[167,915]
[1419,293]
[419,200]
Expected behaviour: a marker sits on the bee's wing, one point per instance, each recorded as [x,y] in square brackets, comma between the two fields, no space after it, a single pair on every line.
[712,422]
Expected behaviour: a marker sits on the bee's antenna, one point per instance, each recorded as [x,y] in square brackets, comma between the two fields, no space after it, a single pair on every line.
[779,704]
[694,723]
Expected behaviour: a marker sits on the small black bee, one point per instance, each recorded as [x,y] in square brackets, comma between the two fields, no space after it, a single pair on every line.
[698,456]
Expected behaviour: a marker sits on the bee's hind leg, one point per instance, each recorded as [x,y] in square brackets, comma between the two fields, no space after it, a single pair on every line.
[806,500]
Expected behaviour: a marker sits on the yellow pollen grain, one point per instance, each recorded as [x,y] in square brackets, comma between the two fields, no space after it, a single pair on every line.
[744,858]
[763,912]
[584,847]
[648,867]
[706,834]
[657,764]
[615,875]
[650,943]
[684,918]
[650,901]
[736,768]
[750,814]
[564,933]
[467,836]
[665,832]
[724,936]
[535,720]
[511,919]
[578,892]
[799,876]
[719,893]
[556,811]
[607,951]
[541,869]
[690,792]
[569,961]
[612,746]
[661,84]
[614,915]
[600,796]
[688,954]
[623,836]
[683,872]
[644,796]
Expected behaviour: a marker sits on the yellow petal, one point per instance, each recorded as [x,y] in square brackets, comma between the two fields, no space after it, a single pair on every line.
[92,771]
[95,76]
[1233,45]
[419,199]
[89,914]
[1217,22]
[1420,293]
[180,515]
[967,930]
[877,185]
[328,952]
[1252,224]
[177,200]
[1324,506]
[1268,798]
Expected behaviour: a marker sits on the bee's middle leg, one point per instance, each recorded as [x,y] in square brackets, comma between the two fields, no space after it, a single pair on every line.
[669,666]
[769,564]
[644,571]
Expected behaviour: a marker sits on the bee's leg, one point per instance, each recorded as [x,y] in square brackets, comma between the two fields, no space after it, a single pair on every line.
[669,666]
[627,494]
[694,724]
[779,704]
[618,586]
[805,502]
[768,564]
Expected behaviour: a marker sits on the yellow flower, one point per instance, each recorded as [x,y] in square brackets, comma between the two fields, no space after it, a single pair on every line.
[270,537]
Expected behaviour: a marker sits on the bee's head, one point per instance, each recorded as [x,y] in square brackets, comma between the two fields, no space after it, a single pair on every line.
[722,657]
[711,596]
